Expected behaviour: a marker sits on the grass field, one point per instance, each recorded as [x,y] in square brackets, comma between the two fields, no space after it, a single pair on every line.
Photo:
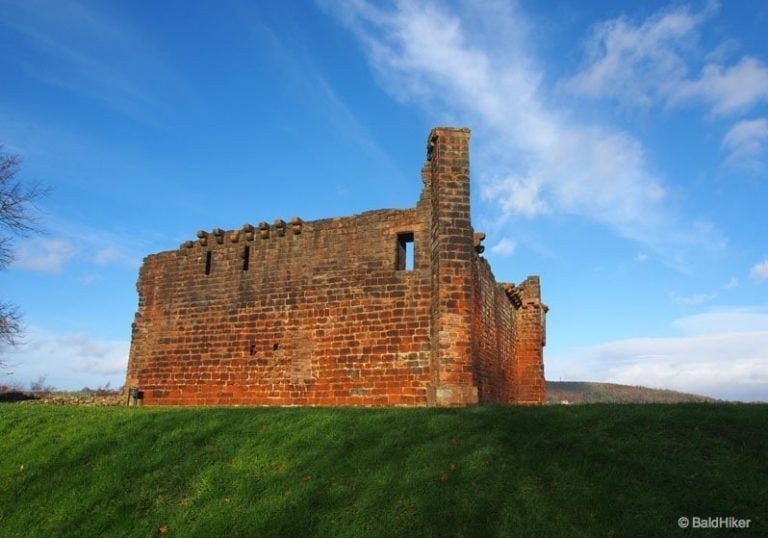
[590,470]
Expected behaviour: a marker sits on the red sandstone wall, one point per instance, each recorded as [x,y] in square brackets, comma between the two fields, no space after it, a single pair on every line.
[322,314]
[508,339]
[446,177]
[318,318]
[493,329]
[529,323]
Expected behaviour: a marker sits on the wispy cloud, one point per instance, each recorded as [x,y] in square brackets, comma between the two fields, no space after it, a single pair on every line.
[721,353]
[727,90]
[113,255]
[695,299]
[746,142]
[505,247]
[652,61]
[77,243]
[724,320]
[103,246]
[638,63]
[94,356]
[73,360]
[298,66]
[44,255]
[759,271]
[82,49]
[535,158]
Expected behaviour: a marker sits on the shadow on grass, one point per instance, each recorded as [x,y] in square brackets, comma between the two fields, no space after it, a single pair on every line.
[570,471]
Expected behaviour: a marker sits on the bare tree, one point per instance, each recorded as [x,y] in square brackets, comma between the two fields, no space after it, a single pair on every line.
[16,220]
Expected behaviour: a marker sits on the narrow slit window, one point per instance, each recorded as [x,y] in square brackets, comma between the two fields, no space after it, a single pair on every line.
[405,252]
[246,257]
[208,263]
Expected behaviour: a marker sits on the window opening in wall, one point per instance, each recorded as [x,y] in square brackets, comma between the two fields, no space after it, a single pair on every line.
[246,257]
[405,251]
[208,263]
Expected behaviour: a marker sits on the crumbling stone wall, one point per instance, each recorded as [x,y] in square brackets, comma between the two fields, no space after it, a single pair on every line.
[329,312]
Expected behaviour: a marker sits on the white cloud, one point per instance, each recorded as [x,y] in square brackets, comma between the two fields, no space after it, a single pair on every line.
[746,141]
[727,90]
[760,271]
[106,255]
[722,353]
[112,255]
[89,278]
[701,298]
[641,257]
[639,64]
[730,320]
[505,247]
[533,159]
[518,196]
[651,62]
[96,247]
[69,361]
[45,255]
[695,299]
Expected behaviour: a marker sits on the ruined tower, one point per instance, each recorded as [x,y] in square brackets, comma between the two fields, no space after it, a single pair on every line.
[389,307]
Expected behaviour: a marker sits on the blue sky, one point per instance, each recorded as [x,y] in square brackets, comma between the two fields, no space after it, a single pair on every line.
[619,151]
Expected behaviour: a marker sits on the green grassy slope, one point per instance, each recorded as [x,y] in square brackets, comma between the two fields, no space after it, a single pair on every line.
[592,470]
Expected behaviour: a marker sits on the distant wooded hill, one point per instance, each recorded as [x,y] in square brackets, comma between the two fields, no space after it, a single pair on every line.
[574,392]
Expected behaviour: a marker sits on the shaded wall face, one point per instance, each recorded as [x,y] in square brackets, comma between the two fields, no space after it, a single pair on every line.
[494,331]
[486,346]
[508,339]
[328,316]
[530,325]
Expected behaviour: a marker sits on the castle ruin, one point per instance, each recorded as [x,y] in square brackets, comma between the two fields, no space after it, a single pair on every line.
[393,307]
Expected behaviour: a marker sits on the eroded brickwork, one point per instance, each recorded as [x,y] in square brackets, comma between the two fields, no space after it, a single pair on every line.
[328,312]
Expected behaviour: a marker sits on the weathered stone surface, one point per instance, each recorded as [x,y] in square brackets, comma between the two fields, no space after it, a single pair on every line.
[329,314]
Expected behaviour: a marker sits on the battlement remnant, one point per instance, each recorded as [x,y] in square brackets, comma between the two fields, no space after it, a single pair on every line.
[404,311]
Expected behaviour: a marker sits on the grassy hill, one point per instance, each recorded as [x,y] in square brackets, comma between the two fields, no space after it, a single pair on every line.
[591,392]
[591,470]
